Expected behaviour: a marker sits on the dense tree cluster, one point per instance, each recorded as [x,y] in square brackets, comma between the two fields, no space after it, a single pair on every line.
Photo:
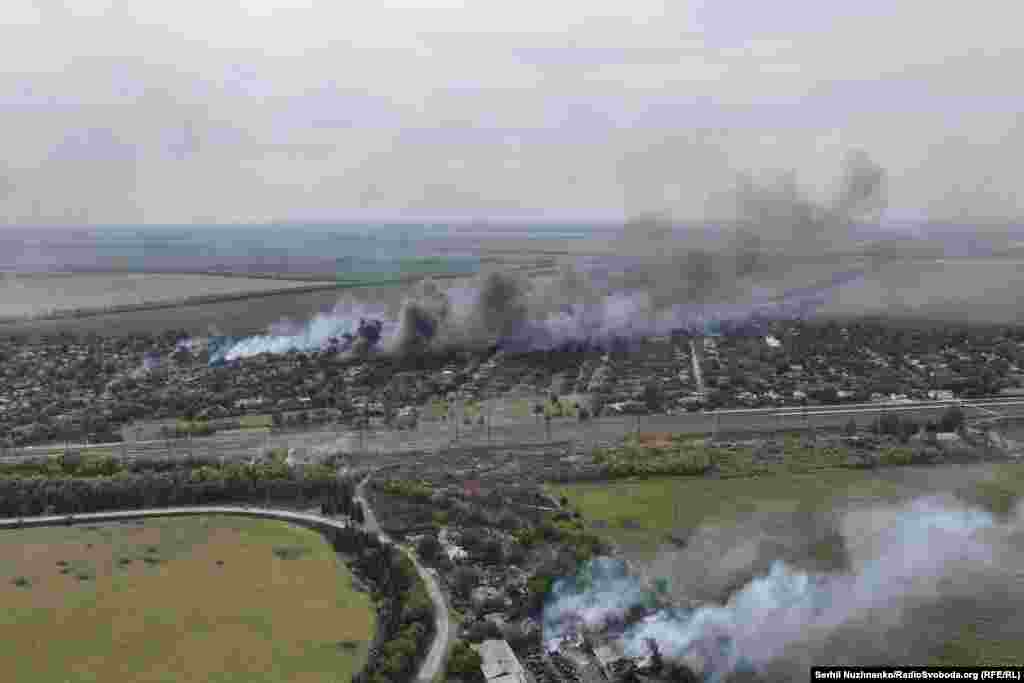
[405,625]
[903,428]
[464,663]
[125,490]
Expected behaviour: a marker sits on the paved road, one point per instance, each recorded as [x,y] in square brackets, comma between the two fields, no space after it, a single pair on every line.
[434,662]
[698,376]
[433,436]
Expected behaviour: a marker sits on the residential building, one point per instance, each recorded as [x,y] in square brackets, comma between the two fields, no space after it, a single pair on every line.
[500,664]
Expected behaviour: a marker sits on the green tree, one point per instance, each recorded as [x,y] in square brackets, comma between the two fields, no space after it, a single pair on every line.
[492,552]
[429,549]
[465,662]
[652,396]
[952,419]
[464,580]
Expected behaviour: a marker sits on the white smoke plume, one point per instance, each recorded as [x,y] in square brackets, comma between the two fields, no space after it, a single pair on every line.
[666,279]
[502,309]
[315,334]
[922,553]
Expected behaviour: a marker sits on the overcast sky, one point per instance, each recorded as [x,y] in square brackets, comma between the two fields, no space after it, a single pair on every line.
[224,110]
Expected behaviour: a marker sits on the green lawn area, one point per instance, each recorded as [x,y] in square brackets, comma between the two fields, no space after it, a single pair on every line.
[654,507]
[217,599]
[104,451]
[639,514]
[255,421]
[520,407]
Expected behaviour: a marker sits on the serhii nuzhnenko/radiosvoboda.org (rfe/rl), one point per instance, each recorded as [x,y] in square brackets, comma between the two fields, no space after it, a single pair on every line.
[1013,674]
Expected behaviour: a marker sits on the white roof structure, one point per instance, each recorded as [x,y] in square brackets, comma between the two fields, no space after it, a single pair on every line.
[499,662]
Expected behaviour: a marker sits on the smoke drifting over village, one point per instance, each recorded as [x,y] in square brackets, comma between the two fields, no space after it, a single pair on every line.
[902,563]
[665,279]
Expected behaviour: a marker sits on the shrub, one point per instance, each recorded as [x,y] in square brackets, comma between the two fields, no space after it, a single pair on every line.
[480,631]
[464,662]
[952,419]
[429,549]
[290,552]
[464,580]
[492,552]
[516,554]
[473,540]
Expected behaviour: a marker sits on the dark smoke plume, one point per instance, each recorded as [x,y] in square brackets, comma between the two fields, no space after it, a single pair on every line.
[422,319]
[662,278]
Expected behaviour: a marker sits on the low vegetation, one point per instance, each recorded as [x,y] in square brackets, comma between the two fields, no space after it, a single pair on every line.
[641,515]
[255,618]
[637,459]
[89,486]
[405,626]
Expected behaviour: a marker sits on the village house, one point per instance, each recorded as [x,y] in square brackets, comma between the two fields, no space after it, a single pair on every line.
[499,664]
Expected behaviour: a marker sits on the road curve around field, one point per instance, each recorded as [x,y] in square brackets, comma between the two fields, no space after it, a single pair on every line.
[433,663]
[435,656]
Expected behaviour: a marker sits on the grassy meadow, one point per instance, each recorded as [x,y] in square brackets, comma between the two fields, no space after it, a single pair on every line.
[218,599]
[43,294]
[638,514]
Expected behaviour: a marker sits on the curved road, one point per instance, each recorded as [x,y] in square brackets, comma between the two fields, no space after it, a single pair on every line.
[433,663]
[435,657]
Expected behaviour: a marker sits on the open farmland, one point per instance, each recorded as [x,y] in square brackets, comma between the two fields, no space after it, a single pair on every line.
[240,312]
[236,316]
[43,294]
[712,536]
[183,599]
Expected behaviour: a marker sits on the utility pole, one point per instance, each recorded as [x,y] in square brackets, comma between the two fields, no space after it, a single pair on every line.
[362,430]
[490,416]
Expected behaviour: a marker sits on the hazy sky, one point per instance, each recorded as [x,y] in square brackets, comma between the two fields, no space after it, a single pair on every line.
[221,110]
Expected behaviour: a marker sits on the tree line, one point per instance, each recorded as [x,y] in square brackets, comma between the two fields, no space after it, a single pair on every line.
[405,621]
[36,495]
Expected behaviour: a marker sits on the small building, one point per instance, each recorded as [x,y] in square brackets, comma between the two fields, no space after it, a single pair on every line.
[455,553]
[485,595]
[499,664]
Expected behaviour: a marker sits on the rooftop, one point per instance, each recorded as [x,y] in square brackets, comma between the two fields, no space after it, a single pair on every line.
[499,662]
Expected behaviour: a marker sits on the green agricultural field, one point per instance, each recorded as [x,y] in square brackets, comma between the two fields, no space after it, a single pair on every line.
[256,421]
[520,407]
[638,515]
[433,411]
[216,599]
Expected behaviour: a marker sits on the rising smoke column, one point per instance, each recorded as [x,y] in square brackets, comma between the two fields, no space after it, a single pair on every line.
[664,282]
[360,325]
[501,310]
[423,319]
[900,557]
